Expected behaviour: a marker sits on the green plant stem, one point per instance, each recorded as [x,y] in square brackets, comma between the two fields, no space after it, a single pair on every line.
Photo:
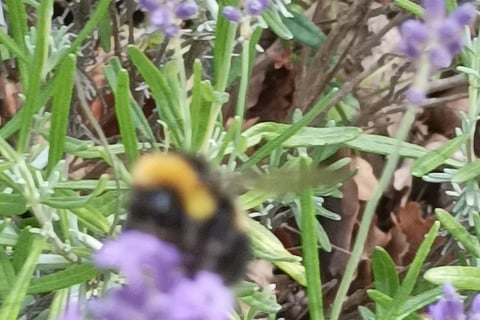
[369,212]
[37,73]
[31,194]
[221,81]
[17,23]
[184,107]
[13,48]
[472,101]
[13,302]
[242,97]
[310,251]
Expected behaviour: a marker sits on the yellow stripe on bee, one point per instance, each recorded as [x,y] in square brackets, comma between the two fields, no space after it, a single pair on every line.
[169,170]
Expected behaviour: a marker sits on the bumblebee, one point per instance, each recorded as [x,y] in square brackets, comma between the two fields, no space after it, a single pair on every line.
[177,198]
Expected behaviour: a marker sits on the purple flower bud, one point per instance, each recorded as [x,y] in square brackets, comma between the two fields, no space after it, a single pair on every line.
[474,313]
[414,36]
[71,312]
[256,7]
[171,30]
[440,57]
[416,96]
[448,307]
[434,9]
[232,14]
[185,10]
[149,4]
[464,14]
[160,17]
[449,30]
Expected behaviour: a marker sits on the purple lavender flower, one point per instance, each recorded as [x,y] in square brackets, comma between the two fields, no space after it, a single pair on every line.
[136,254]
[251,8]
[203,297]
[449,307]
[185,10]
[156,285]
[232,14]
[474,313]
[256,7]
[72,312]
[434,43]
[166,15]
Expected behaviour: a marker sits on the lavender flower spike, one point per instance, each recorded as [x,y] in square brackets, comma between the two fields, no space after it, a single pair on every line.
[256,7]
[166,15]
[157,286]
[434,43]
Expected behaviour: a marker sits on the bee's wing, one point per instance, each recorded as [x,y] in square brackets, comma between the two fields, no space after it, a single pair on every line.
[286,180]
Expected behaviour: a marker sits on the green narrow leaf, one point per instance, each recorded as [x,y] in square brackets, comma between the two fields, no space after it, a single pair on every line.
[60,110]
[365,313]
[380,298]
[12,47]
[383,300]
[199,112]
[466,278]
[92,218]
[22,248]
[471,243]
[94,19]
[105,32]
[386,146]
[69,199]
[225,33]
[13,301]
[403,292]
[44,24]
[304,31]
[276,24]
[306,136]
[266,246]
[7,274]
[14,124]
[467,172]
[276,143]
[125,116]
[17,25]
[141,123]
[420,301]
[58,304]
[410,6]
[437,157]
[310,250]
[167,107]
[384,272]
[73,274]
[451,5]
[12,204]
[208,98]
